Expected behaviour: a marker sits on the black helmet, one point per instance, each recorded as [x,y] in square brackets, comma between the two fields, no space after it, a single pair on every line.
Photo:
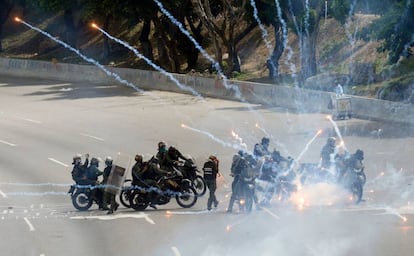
[138,158]
[161,144]
[331,141]
[95,161]
[276,156]
[172,149]
[265,140]
[359,154]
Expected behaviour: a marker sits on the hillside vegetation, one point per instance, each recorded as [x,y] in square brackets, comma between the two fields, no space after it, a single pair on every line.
[342,57]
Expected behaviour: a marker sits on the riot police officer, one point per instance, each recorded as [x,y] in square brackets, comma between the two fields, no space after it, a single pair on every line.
[261,149]
[211,171]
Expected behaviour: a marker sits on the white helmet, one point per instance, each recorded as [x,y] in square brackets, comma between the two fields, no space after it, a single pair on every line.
[108,160]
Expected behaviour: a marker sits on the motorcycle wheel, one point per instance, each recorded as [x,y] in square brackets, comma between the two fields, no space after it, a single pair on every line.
[138,201]
[249,203]
[125,194]
[187,199]
[199,184]
[81,200]
[356,190]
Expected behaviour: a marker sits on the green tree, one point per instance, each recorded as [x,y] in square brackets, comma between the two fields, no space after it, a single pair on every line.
[221,18]
[6,7]
[72,15]
[396,29]
[268,15]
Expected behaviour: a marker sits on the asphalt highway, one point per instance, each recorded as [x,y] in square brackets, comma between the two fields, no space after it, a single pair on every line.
[43,123]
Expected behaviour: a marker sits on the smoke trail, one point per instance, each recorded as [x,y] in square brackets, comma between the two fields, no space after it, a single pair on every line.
[285,38]
[273,138]
[338,133]
[205,54]
[242,146]
[351,36]
[264,35]
[94,62]
[306,21]
[138,54]
[307,145]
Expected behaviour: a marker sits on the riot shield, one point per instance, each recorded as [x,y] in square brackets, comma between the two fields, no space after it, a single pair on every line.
[118,174]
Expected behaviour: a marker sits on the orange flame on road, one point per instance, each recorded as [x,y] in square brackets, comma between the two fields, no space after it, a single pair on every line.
[17,19]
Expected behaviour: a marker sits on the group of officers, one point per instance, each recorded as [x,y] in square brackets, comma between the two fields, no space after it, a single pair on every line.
[144,173]
[168,158]
[333,159]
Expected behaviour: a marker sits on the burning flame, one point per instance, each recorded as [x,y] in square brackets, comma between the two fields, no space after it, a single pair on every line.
[404,219]
[17,19]
[329,117]
[228,227]
[94,25]
[183,126]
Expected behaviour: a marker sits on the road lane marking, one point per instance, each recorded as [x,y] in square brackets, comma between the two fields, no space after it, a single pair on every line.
[91,136]
[58,162]
[188,212]
[271,213]
[29,224]
[7,143]
[116,216]
[3,194]
[176,251]
[31,120]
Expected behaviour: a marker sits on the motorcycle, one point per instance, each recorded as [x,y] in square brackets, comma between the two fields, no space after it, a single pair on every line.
[276,179]
[190,171]
[354,180]
[245,192]
[83,196]
[166,187]
[351,179]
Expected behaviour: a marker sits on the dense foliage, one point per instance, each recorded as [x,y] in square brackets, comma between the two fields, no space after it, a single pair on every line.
[222,24]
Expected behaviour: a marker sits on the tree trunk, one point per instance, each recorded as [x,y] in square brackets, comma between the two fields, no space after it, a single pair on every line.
[106,47]
[1,31]
[308,55]
[5,10]
[190,50]
[70,33]
[273,62]
[163,54]
[144,39]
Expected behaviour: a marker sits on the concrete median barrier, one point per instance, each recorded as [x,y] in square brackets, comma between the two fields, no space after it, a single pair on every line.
[301,100]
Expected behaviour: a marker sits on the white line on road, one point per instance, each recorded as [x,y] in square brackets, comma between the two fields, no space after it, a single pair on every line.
[196,212]
[176,251]
[29,224]
[3,194]
[7,143]
[91,136]
[58,162]
[271,213]
[116,216]
[31,120]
